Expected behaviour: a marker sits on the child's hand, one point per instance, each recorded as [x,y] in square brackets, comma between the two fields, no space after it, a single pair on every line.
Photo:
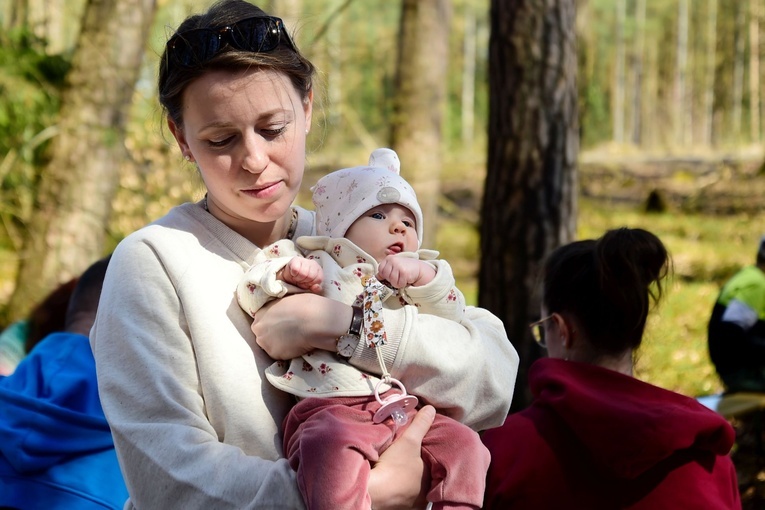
[401,272]
[304,273]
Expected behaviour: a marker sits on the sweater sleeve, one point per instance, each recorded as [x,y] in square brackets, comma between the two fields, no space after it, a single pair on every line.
[260,283]
[466,369]
[439,297]
[149,382]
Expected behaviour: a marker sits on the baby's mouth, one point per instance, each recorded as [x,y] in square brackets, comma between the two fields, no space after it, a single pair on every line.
[395,248]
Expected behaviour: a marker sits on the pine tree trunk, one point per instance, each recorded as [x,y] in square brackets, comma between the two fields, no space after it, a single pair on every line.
[529,205]
[66,232]
[420,101]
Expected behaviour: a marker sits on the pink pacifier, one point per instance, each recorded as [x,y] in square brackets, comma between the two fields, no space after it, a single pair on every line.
[394,405]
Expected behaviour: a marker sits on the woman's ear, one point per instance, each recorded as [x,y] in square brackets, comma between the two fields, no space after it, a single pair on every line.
[308,109]
[180,137]
[566,329]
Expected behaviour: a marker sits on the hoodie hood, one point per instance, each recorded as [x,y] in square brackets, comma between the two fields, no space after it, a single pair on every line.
[627,425]
[49,408]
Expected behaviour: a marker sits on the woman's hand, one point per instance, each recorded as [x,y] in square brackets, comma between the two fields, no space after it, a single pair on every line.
[294,325]
[399,479]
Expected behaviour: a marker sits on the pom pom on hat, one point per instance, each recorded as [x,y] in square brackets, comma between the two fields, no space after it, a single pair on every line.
[385,158]
[341,197]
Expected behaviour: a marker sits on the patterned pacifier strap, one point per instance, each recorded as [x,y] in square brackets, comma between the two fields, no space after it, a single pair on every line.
[375,293]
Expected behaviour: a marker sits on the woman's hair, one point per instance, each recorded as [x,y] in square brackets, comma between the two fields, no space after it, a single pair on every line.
[49,315]
[607,284]
[285,58]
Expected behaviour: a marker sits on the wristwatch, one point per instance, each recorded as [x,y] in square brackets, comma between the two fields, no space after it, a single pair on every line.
[348,342]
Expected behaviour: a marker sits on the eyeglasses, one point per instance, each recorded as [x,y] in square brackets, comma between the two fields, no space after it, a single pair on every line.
[198,46]
[538,332]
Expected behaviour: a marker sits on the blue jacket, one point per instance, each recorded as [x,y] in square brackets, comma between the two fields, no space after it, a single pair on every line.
[56,449]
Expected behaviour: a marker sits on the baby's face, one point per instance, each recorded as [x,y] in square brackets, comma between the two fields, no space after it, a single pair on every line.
[384,230]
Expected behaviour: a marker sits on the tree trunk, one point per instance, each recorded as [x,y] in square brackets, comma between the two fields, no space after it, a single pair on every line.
[468,78]
[289,11]
[530,195]
[709,92]
[754,69]
[620,81]
[66,232]
[738,70]
[15,14]
[681,72]
[420,101]
[637,73]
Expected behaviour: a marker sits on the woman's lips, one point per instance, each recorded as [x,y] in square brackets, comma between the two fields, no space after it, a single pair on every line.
[263,191]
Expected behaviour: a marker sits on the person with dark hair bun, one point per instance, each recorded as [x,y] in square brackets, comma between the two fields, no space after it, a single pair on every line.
[595,436]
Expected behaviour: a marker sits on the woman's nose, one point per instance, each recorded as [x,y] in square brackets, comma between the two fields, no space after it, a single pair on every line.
[255,158]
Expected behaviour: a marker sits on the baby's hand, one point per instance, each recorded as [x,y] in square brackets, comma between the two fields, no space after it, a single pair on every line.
[403,271]
[304,273]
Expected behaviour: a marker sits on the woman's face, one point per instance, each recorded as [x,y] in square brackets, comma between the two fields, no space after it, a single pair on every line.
[246,131]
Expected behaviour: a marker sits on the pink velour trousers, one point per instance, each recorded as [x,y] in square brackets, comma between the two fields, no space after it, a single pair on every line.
[330,443]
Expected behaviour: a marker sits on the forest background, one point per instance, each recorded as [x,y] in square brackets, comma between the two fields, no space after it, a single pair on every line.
[670,121]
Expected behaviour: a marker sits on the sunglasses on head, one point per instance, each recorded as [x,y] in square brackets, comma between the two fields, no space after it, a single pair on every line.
[198,46]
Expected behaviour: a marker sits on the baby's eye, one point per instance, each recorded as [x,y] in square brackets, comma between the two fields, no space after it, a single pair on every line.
[408,223]
[377,216]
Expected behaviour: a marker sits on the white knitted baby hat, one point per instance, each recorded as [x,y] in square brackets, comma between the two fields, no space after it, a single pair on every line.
[341,197]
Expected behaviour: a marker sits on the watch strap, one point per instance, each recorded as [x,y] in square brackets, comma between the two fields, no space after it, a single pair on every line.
[347,343]
[357,320]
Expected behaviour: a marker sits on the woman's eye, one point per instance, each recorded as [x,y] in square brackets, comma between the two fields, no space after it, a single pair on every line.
[220,143]
[273,133]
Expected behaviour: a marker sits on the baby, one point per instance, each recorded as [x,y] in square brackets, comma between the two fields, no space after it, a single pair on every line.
[366,255]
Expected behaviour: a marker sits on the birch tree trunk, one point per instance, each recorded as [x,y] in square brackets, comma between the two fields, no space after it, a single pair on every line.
[738,70]
[620,80]
[637,73]
[530,194]
[711,61]
[289,11]
[67,230]
[754,70]
[681,72]
[419,102]
[468,77]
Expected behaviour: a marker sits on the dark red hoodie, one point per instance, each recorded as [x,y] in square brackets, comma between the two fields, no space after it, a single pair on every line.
[597,439]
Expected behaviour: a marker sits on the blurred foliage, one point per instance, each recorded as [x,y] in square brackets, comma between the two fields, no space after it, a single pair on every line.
[30,87]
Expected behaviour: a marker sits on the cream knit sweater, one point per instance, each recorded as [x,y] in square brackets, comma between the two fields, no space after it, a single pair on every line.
[181,379]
